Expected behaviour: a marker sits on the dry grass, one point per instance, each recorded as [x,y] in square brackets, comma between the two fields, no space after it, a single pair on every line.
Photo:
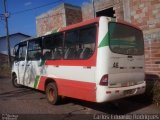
[156,93]
[153,90]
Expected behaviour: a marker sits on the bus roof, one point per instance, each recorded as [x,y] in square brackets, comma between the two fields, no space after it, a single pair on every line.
[83,23]
[95,20]
[127,23]
[80,24]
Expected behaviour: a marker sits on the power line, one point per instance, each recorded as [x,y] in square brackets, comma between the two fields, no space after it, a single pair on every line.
[26,10]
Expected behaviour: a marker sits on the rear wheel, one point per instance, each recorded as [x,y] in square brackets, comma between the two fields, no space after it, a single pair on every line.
[52,93]
[14,81]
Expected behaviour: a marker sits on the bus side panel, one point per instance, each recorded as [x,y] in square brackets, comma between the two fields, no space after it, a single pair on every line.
[41,85]
[72,88]
[77,89]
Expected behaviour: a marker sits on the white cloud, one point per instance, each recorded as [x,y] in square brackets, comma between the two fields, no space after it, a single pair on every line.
[27,3]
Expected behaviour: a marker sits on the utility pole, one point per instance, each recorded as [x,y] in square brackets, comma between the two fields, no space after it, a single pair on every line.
[6,15]
[94,12]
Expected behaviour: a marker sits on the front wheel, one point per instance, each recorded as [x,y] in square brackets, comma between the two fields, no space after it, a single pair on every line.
[52,93]
[14,81]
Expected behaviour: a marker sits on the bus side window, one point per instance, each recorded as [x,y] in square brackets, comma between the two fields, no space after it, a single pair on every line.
[35,49]
[87,37]
[52,48]
[71,40]
[80,43]
[22,53]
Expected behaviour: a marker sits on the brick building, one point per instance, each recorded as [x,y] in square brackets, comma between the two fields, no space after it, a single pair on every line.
[143,13]
[61,16]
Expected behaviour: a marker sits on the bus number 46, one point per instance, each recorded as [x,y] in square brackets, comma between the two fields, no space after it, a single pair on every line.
[115,65]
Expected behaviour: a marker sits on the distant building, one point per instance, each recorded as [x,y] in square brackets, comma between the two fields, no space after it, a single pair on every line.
[142,13]
[14,39]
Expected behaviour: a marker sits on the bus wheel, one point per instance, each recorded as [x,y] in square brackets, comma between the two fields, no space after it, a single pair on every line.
[52,93]
[14,81]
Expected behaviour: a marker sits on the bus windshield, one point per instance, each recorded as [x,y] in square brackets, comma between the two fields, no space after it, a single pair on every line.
[124,39]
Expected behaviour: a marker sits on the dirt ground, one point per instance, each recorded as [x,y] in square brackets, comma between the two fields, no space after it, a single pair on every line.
[29,103]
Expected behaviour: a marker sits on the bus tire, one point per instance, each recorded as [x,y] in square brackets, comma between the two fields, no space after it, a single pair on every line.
[52,93]
[14,82]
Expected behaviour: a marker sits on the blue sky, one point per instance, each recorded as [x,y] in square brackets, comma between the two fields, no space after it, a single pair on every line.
[26,22]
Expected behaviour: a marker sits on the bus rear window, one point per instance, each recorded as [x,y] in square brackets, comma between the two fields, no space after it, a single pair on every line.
[124,39]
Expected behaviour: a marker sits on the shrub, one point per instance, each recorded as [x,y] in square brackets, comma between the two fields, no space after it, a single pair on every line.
[152,93]
[156,92]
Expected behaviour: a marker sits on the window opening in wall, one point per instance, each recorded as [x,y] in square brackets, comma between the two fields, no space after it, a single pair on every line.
[107,12]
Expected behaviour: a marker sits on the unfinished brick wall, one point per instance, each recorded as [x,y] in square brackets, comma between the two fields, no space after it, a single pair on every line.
[118,7]
[88,13]
[61,16]
[142,13]
[50,21]
[73,15]
[152,56]
[146,15]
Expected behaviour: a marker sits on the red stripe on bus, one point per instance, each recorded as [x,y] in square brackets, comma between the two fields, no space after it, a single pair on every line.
[41,85]
[72,88]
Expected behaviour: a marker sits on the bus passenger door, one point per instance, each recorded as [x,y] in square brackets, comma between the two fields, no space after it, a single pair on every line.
[33,67]
[20,62]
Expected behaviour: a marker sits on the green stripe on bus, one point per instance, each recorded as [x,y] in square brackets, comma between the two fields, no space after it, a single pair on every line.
[42,62]
[104,42]
[36,81]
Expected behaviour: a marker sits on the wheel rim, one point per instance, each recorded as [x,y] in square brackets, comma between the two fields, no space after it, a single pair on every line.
[51,95]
